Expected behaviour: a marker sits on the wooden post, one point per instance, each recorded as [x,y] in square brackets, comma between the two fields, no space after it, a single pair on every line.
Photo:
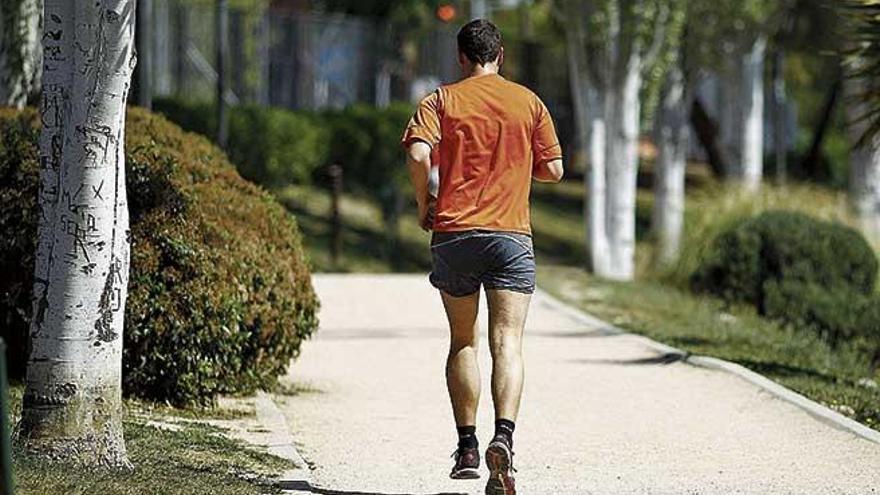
[335,173]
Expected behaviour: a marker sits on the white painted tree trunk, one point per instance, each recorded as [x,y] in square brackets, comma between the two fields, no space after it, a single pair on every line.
[742,116]
[864,179]
[72,403]
[672,137]
[623,114]
[591,130]
[595,186]
[20,55]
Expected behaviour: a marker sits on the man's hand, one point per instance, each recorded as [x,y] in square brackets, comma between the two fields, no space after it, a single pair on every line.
[426,214]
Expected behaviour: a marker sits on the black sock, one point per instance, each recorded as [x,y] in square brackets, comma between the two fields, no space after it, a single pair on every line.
[504,429]
[467,437]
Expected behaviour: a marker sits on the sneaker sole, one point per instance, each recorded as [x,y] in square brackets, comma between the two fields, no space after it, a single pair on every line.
[498,461]
[465,474]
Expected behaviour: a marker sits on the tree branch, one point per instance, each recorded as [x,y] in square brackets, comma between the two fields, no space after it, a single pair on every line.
[661,23]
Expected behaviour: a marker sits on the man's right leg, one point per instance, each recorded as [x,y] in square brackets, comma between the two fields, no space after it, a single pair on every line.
[463,379]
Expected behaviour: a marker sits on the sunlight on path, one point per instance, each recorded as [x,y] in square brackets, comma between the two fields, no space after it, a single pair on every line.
[599,415]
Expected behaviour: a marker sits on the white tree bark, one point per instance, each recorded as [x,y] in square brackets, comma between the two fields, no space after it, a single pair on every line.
[864,178]
[20,55]
[72,403]
[591,130]
[624,112]
[599,251]
[742,115]
[672,137]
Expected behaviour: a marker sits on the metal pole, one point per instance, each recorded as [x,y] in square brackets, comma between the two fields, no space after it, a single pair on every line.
[479,9]
[222,46]
[145,53]
[5,446]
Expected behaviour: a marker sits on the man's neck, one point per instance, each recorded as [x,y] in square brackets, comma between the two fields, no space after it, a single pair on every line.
[483,70]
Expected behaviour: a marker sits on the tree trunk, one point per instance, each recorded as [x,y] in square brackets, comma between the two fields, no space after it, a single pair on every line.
[72,405]
[864,180]
[622,170]
[780,144]
[669,171]
[20,55]
[813,165]
[590,137]
[578,81]
[706,130]
[742,116]
[599,254]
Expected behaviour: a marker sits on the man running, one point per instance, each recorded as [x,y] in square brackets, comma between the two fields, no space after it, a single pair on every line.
[493,137]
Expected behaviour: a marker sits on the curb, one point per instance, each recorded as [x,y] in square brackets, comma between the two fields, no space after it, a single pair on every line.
[818,411]
[272,419]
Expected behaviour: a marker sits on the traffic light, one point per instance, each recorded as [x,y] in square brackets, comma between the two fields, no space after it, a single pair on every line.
[446,12]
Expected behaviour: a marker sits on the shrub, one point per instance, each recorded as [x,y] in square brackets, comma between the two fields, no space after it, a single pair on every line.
[220,296]
[367,144]
[270,146]
[838,315]
[274,146]
[785,247]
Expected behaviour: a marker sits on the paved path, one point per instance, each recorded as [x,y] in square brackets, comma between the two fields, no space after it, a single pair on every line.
[599,415]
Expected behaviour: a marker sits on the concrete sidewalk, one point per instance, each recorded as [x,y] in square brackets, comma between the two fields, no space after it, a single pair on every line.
[601,412]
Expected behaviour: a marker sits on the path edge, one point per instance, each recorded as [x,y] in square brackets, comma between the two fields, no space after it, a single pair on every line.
[818,411]
[270,418]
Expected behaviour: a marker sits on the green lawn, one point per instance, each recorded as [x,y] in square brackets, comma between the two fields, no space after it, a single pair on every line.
[193,459]
[658,304]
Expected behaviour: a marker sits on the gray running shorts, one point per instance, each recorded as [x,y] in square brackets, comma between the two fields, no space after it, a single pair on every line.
[462,261]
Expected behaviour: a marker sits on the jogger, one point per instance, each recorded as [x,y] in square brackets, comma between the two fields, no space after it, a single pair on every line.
[493,138]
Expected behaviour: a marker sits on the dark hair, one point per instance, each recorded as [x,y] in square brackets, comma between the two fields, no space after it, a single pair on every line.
[480,41]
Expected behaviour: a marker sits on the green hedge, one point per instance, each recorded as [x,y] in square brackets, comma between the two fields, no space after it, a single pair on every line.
[274,147]
[799,270]
[270,146]
[785,246]
[220,296]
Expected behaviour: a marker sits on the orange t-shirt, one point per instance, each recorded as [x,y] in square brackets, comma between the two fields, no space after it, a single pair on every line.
[491,134]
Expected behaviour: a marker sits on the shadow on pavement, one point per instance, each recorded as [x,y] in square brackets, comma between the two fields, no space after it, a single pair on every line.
[306,487]
[662,359]
[601,332]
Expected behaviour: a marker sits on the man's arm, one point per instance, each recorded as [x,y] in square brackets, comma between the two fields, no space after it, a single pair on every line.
[550,171]
[418,160]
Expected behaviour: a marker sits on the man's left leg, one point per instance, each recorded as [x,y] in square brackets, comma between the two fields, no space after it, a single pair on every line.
[507,318]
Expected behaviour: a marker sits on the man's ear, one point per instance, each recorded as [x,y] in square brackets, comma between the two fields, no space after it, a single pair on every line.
[463,61]
[500,56]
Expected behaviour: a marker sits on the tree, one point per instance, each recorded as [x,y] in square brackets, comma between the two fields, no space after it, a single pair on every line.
[72,402]
[861,90]
[612,44]
[672,136]
[730,39]
[20,62]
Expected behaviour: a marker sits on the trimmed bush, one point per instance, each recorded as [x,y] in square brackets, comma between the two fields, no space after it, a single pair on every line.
[837,315]
[220,296]
[271,146]
[785,247]
[801,271]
